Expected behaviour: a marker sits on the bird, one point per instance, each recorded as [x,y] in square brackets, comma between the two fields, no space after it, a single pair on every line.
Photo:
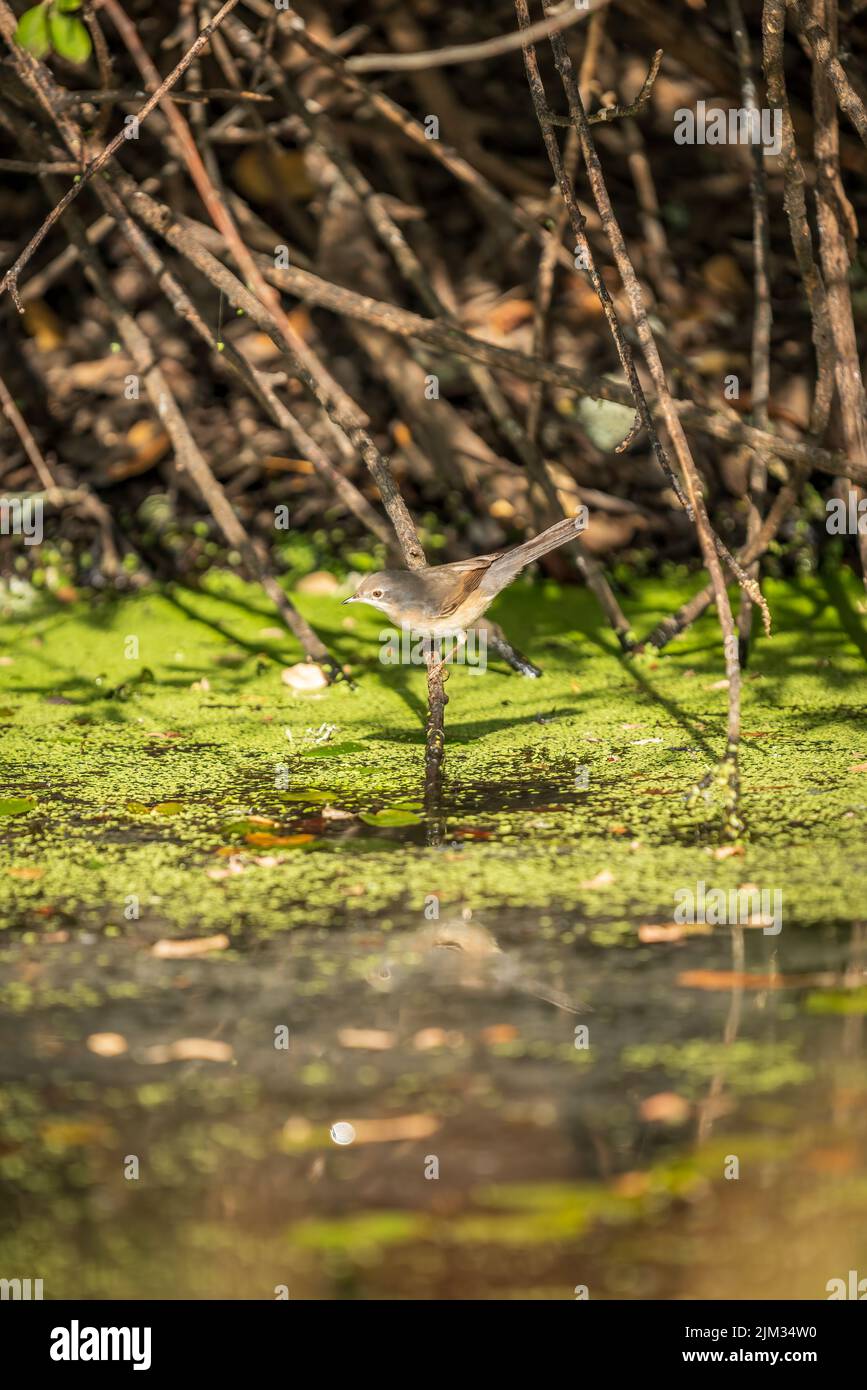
[445,600]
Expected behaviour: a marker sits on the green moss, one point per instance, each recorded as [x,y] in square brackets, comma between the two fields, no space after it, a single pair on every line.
[101,750]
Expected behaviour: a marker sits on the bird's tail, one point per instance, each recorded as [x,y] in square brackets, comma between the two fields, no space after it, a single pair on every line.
[510,564]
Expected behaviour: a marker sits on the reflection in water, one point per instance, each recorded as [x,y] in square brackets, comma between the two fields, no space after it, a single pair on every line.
[458,952]
[530,1111]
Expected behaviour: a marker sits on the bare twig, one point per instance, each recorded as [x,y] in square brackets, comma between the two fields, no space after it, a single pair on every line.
[188,455]
[762,318]
[617,113]
[99,161]
[709,542]
[773,33]
[53,494]
[833,242]
[469,52]
[823,46]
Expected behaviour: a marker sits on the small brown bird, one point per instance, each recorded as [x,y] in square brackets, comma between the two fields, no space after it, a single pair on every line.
[446,599]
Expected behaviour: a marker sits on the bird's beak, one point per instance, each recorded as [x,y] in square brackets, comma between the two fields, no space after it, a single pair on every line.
[351,599]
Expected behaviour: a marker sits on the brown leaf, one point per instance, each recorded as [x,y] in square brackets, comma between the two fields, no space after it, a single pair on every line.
[736,979]
[191,1050]
[666,1107]
[263,840]
[177,949]
[106,1044]
[395,1129]
[499,1033]
[366,1039]
[652,932]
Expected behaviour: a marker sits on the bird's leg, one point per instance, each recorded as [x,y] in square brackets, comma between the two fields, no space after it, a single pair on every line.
[437,659]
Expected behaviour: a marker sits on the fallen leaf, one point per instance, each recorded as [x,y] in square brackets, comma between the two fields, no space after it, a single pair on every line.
[41,322]
[191,1050]
[264,175]
[392,818]
[106,1044]
[263,840]
[837,1161]
[390,1131]
[148,443]
[736,979]
[723,275]
[305,676]
[652,932]
[499,1033]
[728,852]
[367,1039]
[666,1107]
[508,315]
[26,872]
[177,949]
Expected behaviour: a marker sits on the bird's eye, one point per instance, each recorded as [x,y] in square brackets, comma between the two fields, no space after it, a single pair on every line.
[376,593]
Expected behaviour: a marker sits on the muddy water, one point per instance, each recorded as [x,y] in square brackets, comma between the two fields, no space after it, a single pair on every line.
[531,1113]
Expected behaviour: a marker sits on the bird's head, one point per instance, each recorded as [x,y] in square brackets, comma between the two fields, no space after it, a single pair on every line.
[382,590]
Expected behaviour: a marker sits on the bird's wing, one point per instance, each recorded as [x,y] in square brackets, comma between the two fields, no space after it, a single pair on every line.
[453,584]
[475,563]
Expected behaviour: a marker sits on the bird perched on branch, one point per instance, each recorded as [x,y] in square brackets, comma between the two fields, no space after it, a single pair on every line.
[443,600]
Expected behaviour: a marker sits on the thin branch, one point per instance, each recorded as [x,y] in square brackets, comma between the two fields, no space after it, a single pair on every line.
[824,49]
[469,52]
[618,113]
[710,544]
[760,384]
[10,279]
[188,455]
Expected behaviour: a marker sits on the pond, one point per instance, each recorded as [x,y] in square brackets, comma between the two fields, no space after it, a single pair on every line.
[259,1037]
